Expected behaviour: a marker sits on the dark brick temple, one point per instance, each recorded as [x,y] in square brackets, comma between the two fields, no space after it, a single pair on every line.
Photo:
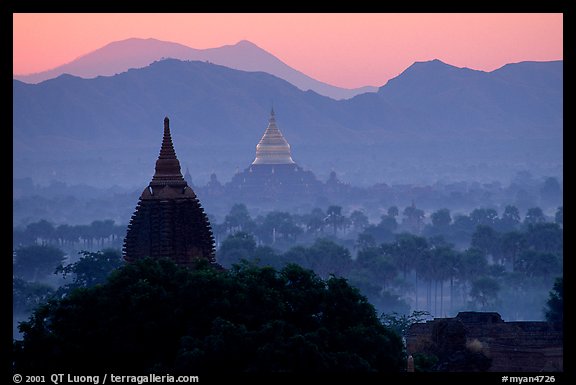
[169,221]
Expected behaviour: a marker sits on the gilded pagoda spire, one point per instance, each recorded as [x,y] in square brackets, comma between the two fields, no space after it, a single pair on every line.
[273,147]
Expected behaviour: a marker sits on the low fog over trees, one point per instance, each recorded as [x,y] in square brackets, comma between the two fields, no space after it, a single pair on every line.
[440,263]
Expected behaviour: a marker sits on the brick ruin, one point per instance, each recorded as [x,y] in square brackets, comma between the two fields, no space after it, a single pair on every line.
[493,344]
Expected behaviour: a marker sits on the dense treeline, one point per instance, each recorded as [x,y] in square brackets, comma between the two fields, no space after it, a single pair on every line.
[41,273]
[282,229]
[76,204]
[406,261]
[97,235]
[480,261]
[160,317]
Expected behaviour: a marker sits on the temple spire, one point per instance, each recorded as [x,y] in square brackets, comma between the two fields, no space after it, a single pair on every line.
[167,166]
[167,149]
[169,221]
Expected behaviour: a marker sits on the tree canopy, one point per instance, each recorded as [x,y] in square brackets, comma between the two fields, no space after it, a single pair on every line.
[36,262]
[555,304]
[92,269]
[156,316]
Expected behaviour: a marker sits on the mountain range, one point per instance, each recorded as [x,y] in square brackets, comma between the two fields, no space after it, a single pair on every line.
[433,121]
[120,56]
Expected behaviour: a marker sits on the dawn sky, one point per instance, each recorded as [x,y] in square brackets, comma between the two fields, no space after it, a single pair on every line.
[346,50]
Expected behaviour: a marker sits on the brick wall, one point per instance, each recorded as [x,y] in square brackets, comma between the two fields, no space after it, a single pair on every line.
[513,346]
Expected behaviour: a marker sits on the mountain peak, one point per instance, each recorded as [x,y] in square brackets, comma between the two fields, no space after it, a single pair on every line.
[246,43]
[434,63]
[120,56]
[421,70]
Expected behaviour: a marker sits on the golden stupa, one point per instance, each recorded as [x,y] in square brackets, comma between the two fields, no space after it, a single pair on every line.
[273,148]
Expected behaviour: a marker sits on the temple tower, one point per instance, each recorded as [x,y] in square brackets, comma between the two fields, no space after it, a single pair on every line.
[169,220]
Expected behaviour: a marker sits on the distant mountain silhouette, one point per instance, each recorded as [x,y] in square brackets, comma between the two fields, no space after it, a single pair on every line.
[516,100]
[120,56]
[429,120]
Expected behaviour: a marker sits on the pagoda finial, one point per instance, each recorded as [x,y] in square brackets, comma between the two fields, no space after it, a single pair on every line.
[272,115]
[167,165]
[167,149]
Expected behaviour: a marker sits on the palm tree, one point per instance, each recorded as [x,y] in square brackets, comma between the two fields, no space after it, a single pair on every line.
[405,253]
[511,244]
[441,265]
[42,231]
[485,291]
[473,264]
[334,217]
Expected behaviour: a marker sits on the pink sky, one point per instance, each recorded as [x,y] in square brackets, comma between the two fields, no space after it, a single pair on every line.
[346,50]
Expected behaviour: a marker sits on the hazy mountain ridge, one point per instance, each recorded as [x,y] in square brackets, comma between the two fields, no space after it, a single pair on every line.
[120,56]
[506,102]
[429,112]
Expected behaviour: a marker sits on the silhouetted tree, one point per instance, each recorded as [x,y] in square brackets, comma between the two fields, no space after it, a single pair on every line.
[486,240]
[235,248]
[359,220]
[546,237]
[36,262]
[511,245]
[551,192]
[155,316]
[239,220]
[406,253]
[375,266]
[484,292]
[533,216]
[378,233]
[296,255]
[388,223]
[278,225]
[538,264]
[440,269]
[365,241]
[462,228]
[510,218]
[559,216]
[441,219]
[486,217]
[101,230]
[326,257]
[26,296]
[393,211]
[334,217]
[42,231]
[92,268]
[413,219]
[400,323]
[555,305]
[472,265]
